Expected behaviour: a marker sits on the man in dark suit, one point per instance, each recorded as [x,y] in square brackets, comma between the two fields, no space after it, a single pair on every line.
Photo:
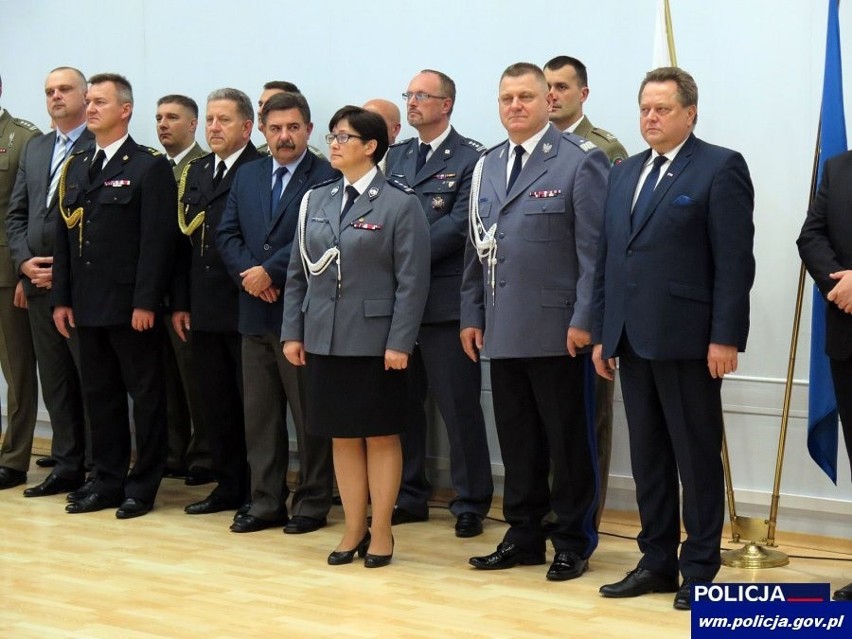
[189,451]
[205,298]
[254,238]
[31,229]
[438,166]
[536,207]
[672,301]
[113,261]
[825,245]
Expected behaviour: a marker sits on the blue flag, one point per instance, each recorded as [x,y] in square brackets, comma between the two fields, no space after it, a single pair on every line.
[822,404]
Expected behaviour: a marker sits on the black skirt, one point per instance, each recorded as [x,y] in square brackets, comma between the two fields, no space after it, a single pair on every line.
[354,396]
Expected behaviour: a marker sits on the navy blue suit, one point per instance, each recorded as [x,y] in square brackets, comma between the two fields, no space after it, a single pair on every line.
[664,291]
[252,234]
[438,362]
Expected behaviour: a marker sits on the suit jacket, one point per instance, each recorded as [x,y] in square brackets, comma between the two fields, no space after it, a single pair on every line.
[120,256]
[681,280]
[548,226]
[249,235]
[30,223]
[607,142]
[195,152]
[825,245]
[202,284]
[443,188]
[14,136]
[384,262]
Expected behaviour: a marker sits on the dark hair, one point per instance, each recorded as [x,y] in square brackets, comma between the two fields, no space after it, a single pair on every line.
[243,102]
[122,85]
[369,125]
[285,101]
[448,87]
[560,61]
[523,68]
[282,85]
[687,89]
[183,100]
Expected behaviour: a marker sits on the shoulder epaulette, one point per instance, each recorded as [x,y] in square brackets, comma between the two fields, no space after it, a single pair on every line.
[149,149]
[401,186]
[496,146]
[582,143]
[474,144]
[401,143]
[25,124]
[606,135]
[325,182]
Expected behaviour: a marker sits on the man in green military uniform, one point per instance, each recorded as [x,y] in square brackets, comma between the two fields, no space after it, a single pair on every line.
[568,82]
[17,356]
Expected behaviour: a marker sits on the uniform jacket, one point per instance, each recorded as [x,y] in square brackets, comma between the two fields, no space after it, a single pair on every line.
[681,280]
[443,188]
[14,135]
[195,152]
[250,235]
[384,261]
[825,245]
[30,224]
[605,140]
[202,285]
[129,233]
[547,237]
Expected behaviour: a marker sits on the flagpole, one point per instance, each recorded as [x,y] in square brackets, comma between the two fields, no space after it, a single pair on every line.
[670,33]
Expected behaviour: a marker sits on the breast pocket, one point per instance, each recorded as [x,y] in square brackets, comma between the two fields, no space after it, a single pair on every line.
[192,198]
[115,195]
[439,197]
[546,219]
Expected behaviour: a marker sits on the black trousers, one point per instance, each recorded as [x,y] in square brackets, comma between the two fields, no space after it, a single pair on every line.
[116,361]
[540,409]
[841,374]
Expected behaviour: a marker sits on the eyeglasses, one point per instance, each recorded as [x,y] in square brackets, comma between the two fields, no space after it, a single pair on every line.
[342,138]
[420,96]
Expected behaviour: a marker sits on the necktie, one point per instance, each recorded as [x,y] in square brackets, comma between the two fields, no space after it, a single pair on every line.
[60,154]
[643,202]
[421,155]
[220,173]
[97,165]
[172,163]
[351,195]
[516,167]
[277,187]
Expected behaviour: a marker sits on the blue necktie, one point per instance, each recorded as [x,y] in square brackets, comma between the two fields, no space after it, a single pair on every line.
[643,203]
[421,155]
[351,195]
[516,167]
[277,187]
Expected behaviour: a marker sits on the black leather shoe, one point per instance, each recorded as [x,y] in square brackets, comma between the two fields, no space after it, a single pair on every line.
[300,525]
[567,565]
[243,510]
[198,476]
[208,506]
[340,557]
[250,523]
[378,561]
[683,598]
[402,516]
[9,477]
[843,594]
[468,525]
[175,472]
[639,582]
[45,462]
[83,491]
[53,485]
[507,556]
[92,502]
[132,507]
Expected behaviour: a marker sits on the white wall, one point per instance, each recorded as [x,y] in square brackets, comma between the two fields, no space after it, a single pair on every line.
[758,64]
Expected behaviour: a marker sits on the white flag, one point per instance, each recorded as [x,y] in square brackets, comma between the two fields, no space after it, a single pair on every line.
[664,45]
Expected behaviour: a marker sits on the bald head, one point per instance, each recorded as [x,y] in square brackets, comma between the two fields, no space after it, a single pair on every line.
[390,114]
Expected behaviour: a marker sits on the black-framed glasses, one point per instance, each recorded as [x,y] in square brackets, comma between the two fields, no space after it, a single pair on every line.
[341,138]
[421,96]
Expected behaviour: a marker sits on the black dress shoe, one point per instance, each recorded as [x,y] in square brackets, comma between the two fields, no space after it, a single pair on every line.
[340,557]
[175,472]
[92,503]
[198,476]
[299,525]
[567,565]
[83,491]
[639,582]
[468,525]
[210,505]
[45,462]
[843,594]
[53,485]
[243,510]
[683,598]
[250,523]
[402,516]
[9,477]
[507,556]
[132,507]
[378,561]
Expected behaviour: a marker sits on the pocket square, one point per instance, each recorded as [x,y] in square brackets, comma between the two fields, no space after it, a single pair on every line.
[684,200]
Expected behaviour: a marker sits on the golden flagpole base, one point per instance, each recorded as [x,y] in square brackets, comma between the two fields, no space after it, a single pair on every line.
[753,556]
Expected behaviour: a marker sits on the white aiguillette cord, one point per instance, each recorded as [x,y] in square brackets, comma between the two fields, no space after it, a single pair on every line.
[483,239]
[331,255]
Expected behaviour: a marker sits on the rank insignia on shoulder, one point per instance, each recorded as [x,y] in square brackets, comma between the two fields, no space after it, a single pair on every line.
[26,124]
[147,149]
[402,187]
[373,192]
[550,193]
[476,146]
[588,146]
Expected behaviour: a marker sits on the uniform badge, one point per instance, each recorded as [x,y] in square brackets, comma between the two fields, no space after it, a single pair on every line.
[117,183]
[444,176]
[125,158]
[335,190]
[2,150]
[450,184]
[447,151]
[373,192]
[11,138]
[546,147]
[548,193]
[438,203]
[587,146]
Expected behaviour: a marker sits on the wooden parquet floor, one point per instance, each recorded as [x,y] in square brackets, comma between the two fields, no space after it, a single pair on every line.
[171,575]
